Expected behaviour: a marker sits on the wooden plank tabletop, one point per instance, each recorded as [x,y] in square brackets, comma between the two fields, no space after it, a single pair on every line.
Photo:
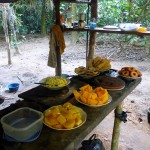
[48,97]
[115,31]
[68,140]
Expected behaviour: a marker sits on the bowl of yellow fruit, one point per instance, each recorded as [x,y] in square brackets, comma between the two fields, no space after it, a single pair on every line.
[55,82]
[64,117]
[86,73]
[91,97]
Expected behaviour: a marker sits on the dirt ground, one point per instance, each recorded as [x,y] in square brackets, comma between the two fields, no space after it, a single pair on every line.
[31,66]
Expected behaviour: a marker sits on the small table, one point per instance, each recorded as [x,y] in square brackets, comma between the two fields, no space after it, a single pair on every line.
[69,140]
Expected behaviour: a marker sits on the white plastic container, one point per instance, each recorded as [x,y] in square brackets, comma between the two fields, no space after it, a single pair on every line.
[22,123]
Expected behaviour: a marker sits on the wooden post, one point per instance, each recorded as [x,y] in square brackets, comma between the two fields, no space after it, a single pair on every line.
[5,27]
[116,129]
[57,20]
[92,40]
[57,11]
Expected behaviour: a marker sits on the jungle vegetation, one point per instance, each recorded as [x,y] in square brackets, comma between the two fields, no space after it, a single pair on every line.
[37,16]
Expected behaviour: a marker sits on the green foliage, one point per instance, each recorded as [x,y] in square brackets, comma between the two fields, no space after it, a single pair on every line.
[29,17]
[110,12]
[1,25]
[113,12]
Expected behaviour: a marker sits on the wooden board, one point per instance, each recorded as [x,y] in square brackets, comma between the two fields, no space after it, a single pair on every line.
[48,97]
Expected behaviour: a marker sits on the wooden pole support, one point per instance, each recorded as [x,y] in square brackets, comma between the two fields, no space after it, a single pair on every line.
[116,129]
[57,21]
[92,38]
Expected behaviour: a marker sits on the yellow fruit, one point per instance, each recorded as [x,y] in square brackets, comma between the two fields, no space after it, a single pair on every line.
[73,110]
[69,124]
[91,96]
[96,61]
[77,115]
[55,111]
[85,94]
[86,88]
[55,82]
[89,63]
[47,113]
[61,119]
[80,70]
[68,105]
[51,121]
[92,101]
[58,126]
[63,116]
[84,100]
[78,121]
[142,29]
[76,94]
[68,116]
[102,100]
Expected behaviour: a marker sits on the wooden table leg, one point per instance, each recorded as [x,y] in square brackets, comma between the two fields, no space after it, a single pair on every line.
[116,129]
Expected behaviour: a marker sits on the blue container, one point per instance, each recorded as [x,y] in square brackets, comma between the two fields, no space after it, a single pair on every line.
[92,25]
[13,87]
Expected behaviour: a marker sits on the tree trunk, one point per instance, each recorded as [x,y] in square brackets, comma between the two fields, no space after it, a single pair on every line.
[43,18]
[5,27]
[74,35]
[13,33]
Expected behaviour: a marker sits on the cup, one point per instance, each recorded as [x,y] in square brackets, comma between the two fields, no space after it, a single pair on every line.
[92,25]
[148,115]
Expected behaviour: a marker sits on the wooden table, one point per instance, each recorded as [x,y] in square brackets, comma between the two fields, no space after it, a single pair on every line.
[115,31]
[68,140]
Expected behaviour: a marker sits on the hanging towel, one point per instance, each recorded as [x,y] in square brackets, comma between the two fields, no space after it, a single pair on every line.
[56,38]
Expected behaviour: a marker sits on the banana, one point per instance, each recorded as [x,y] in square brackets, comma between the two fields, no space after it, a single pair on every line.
[80,70]
[105,68]
[96,61]
[104,65]
[89,63]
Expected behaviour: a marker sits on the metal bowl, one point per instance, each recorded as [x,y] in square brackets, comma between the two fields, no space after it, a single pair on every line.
[54,87]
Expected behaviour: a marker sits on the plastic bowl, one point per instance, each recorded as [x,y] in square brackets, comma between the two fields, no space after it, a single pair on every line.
[13,87]
[129,26]
[23,123]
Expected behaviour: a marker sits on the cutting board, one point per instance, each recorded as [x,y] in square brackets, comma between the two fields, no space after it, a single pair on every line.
[48,97]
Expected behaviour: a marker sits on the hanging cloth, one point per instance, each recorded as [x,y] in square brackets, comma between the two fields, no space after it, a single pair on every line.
[56,39]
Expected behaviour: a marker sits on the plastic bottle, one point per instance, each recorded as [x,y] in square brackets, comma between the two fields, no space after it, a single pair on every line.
[69,17]
[81,23]
[93,23]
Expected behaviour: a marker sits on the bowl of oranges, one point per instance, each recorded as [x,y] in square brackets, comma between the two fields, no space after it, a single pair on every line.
[64,117]
[92,97]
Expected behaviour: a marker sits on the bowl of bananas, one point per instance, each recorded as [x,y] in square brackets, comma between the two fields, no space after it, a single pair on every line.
[86,73]
[55,82]
[99,64]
